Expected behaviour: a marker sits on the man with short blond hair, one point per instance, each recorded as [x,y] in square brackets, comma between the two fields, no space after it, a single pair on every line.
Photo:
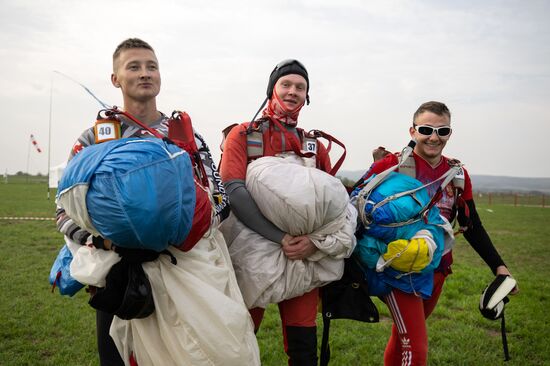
[136,73]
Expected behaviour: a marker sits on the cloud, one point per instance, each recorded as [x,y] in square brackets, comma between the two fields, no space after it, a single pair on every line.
[371,64]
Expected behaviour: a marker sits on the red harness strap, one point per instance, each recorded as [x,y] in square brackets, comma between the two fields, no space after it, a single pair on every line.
[293,140]
[295,144]
[180,131]
[330,139]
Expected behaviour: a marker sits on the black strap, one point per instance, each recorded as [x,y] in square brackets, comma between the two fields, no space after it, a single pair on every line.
[325,346]
[173,259]
[504,340]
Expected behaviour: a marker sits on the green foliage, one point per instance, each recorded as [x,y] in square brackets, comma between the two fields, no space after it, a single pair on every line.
[21,177]
[41,328]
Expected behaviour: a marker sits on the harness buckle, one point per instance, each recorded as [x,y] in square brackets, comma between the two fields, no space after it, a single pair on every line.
[455,163]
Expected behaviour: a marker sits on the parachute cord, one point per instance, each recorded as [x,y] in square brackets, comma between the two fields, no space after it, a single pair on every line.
[57,277]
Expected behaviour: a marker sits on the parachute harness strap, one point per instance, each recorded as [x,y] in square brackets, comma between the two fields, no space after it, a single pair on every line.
[364,194]
[189,147]
[318,133]
[114,112]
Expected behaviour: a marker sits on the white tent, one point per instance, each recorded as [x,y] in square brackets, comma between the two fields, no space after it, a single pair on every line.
[55,174]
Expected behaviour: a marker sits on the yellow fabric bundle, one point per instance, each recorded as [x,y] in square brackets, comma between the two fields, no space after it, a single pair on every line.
[409,255]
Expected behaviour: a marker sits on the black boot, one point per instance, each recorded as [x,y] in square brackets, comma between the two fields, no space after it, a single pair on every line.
[302,346]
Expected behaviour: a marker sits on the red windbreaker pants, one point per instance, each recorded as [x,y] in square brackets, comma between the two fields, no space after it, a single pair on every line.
[408,343]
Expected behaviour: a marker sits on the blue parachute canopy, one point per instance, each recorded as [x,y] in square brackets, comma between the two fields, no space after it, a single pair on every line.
[137,192]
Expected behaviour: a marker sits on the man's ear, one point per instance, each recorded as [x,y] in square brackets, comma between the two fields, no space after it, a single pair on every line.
[114,81]
[412,131]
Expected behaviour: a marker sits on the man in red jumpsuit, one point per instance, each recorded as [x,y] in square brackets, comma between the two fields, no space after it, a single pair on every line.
[408,344]
[287,93]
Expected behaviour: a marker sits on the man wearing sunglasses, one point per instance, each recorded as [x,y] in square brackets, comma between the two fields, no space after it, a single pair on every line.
[287,92]
[431,129]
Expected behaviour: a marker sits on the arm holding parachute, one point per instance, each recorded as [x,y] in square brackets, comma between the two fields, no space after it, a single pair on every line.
[233,172]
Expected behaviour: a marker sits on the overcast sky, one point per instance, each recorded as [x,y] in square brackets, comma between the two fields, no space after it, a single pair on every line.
[371,64]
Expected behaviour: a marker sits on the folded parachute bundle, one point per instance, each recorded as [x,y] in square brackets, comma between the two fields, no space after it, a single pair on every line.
[403,235]
[138,192]
[299,200]
[389,215]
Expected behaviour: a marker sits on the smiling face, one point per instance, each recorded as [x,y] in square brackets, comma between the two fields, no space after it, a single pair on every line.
[430,148]
[292,90]
[136,73]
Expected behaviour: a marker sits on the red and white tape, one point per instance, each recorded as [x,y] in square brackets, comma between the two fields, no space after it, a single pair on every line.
[27,218]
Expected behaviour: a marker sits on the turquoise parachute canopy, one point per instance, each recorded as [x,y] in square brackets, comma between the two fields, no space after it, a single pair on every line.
[374,236]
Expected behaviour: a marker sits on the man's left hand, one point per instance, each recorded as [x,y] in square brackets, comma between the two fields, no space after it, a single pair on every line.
[503,270]
[300,247]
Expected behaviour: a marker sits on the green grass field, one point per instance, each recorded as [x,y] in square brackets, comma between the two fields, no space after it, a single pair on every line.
[41,328]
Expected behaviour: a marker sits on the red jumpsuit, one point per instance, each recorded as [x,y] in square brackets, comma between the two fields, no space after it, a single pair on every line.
[298,315]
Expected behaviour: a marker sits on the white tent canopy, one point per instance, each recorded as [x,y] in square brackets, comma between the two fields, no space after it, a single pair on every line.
[55,174]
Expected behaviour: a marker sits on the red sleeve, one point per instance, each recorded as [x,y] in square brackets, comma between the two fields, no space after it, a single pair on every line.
[467,194]
[234,157]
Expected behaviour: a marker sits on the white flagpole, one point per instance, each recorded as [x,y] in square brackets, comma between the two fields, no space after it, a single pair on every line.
[50,136]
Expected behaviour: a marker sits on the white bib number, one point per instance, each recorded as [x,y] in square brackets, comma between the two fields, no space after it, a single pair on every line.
[106,131]
[311,146]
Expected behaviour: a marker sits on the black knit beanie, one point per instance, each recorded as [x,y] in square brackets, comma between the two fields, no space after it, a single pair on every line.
[287,67]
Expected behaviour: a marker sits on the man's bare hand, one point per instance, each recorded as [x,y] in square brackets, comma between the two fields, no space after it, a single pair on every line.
[286,240]
[300,247]
[503,270]
[107,244]
[379,153]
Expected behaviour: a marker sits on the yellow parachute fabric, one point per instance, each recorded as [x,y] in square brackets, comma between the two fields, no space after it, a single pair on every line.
[409,255]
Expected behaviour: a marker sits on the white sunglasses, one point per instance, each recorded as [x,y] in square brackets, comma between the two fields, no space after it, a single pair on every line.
[443,131]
